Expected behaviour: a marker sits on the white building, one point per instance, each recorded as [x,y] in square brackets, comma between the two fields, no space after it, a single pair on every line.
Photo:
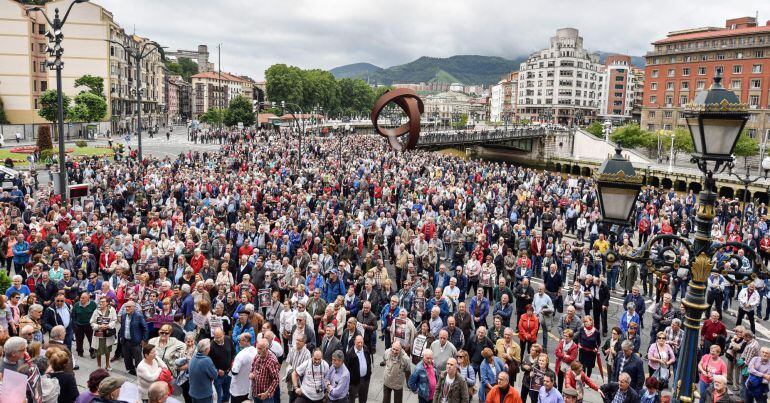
[497,99]
[560,83]
[619,93]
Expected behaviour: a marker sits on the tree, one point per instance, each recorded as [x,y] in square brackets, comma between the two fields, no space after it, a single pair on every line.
[379,91]
[355,96]
[746,147]
[461,122]
[213,116]
[319,89]
[88,107]
[183,67]
[239,110]
[284,83]
[682,142]
[94,84]
[596,129]
[3,117]
[632,136]
[44,138]
[48,106]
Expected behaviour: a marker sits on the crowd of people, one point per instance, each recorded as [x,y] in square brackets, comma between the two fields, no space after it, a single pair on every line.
[235,275]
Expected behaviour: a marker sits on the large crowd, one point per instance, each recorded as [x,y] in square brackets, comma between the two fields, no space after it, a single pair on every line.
[235,275]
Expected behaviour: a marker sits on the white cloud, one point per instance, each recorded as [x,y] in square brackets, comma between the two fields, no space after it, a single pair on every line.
[325,34]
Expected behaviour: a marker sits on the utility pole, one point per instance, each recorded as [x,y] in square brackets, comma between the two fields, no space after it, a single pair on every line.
[221,91]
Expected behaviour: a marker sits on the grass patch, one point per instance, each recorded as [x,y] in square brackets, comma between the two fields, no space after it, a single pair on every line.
[77,152]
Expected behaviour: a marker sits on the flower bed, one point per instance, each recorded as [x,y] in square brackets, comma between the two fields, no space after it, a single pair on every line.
[33,149]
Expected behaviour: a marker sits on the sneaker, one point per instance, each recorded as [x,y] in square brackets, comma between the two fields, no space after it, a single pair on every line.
[382,364]
[93,354]
[76,367]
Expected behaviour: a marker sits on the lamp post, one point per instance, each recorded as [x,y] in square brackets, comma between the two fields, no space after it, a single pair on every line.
[715,119]
[301,130]
[747,180]
[56,37]
[138,54]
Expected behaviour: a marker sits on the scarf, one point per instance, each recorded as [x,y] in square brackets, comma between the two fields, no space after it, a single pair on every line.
[589,331]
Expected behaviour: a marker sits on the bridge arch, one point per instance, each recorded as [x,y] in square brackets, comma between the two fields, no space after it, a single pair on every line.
[761,197]
[666,183]
[695,187]
[557,167]
[726,191]
[575,170]
[680,185]
[743,195]
[585,171]
[654,181]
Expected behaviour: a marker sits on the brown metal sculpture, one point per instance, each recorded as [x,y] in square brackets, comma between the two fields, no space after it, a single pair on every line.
[412,106]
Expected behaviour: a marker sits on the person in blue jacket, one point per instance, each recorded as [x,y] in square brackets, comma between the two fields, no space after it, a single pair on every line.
[479,308]
[202,373]
[419,379]
[20,254]
[243,325]
[333,288]
[439,301]
[490,367]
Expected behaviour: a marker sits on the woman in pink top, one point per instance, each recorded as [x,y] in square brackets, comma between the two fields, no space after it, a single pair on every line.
[710,364]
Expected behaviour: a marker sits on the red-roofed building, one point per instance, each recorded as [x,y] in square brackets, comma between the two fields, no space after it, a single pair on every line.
[212,89]
[686,61]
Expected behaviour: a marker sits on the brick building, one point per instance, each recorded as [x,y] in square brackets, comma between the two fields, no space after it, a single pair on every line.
[686,61]
[619,91]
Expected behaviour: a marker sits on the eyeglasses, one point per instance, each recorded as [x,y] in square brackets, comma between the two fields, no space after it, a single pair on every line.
[164,333]
[662,338]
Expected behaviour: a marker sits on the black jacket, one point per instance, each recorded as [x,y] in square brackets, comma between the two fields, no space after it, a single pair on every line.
[52,318]
[351,362]
[633,367]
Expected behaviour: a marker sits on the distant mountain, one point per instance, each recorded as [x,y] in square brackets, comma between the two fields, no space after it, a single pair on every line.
[357,70]
[637,61]
[466,69]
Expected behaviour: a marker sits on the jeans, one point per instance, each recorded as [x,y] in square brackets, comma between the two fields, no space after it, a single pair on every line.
[750,399]
[702,386]
[679,286]
[268,400]
[613,277]
[222,386]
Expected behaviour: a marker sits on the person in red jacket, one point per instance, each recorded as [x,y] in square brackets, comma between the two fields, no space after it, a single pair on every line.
[566,353]
[528,327]
[196,262]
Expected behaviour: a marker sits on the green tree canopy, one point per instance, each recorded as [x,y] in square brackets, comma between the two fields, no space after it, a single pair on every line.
[213,116]
[183,67]
[596,129]
[48,106]
[88,107]
[239,110]
[632,136]
[319,88]
[746,147]
[94,84]
[284,83]
[3,117]
[355,96]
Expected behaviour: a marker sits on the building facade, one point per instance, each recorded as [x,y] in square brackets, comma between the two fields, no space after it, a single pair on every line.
[686,61]
[619,90]
[448,107]
[562,83]
[216,90]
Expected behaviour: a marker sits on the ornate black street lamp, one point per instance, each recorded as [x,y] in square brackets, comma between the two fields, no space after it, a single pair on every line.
[715,119]
[56,37]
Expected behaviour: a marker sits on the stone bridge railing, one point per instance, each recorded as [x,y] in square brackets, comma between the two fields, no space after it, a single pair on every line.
[471,137]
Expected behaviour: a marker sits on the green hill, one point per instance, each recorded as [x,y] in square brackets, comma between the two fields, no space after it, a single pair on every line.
[466,69]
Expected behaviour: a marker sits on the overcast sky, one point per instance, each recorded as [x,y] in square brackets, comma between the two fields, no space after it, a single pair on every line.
[326,34]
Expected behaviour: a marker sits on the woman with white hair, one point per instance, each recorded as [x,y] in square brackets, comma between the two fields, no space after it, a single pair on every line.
[103,322]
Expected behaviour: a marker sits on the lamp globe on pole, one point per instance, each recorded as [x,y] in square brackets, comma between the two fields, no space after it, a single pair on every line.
[715,118]
[619,186]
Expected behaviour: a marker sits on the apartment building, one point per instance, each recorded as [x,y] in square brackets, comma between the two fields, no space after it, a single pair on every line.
[686,61]
[562,83]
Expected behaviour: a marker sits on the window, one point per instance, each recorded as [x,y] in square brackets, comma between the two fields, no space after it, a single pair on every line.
[670,86]
[34,85]
[651,114]
[700,85]
[653,86]
[735,84]
[737,69]
[682,100]
[650,127]
[756,84]
[42,67]
[620,78]
[655,74]
[43,85]
[752,133]
[685,85]
[704,57]
[41,29]
[718,70]
[757,68]
[720,56]
[618,86]
[686,71]
[754,101]
[653,99]
[671,72]
[667,114]
[701,71]
[759,53]
[667,127]
[41,47]
[669,100]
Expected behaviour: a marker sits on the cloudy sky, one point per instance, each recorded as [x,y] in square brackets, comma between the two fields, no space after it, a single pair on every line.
[326,34]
